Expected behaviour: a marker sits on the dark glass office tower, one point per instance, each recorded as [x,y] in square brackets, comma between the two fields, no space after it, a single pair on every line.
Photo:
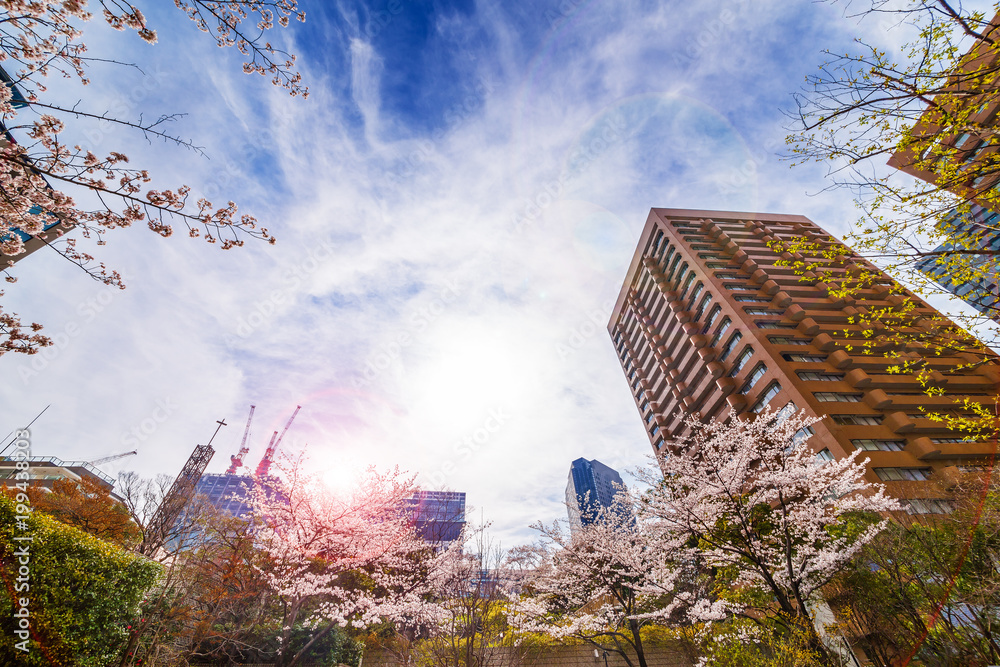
[439,516]
[591,485]
[983,293]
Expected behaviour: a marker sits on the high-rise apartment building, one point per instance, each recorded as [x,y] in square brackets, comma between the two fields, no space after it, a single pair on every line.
[591,486]
[952,138]
[55,226]
[707,324]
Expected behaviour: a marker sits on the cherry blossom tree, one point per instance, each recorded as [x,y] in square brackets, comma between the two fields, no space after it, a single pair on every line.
[348,561]
[750,501]
[600,584]
[472,584]
[43,177]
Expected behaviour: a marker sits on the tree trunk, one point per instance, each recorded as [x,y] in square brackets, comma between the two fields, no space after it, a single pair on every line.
[640,654]
[316,637]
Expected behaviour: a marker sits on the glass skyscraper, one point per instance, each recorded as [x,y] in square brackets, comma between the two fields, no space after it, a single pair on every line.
[592,485]
[983,293]
[439,516]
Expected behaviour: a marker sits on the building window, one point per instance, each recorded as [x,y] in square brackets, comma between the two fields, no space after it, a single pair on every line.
[879,445]
[673,266]
[712,316]
[641,395]
[824,455]
[654,430]
[702,246]
[785,412]
[741,360]
[731,345]
[656,243]
[802,435]
[763,311]
[837,397]
[772,390]
[687,284]
[929,506]
[722,329]
[680,274]
[804,358]
[857,420]
[771,324]
[785,340]
[715,265]
[728,276]
[759,371]
[698,289]
[744,298]
[701,307]
[649,418]
[741,287]
[819,376]
[903,474]
[949,441]
[644,406]
[669,254]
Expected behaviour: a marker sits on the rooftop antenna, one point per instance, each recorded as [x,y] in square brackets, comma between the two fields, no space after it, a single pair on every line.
[28,426]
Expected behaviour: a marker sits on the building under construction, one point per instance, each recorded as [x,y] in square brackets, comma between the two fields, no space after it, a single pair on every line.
[229,492]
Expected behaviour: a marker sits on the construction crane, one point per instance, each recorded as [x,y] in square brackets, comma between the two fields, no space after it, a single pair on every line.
[107,459]
[265,463]
[176,499]
[237,461]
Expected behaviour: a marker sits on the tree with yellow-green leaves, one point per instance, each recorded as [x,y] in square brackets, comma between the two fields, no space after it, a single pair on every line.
[66,597]
[930,111]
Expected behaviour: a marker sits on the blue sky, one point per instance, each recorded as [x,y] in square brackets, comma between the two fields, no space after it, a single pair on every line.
[455,204]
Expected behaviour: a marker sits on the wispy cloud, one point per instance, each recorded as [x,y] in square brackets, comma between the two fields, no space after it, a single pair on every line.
[456,204]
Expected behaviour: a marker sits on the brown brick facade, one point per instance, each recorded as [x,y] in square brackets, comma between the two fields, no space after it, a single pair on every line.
[707,323]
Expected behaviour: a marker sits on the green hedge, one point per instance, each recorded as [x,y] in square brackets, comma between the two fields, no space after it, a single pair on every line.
[83,592]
